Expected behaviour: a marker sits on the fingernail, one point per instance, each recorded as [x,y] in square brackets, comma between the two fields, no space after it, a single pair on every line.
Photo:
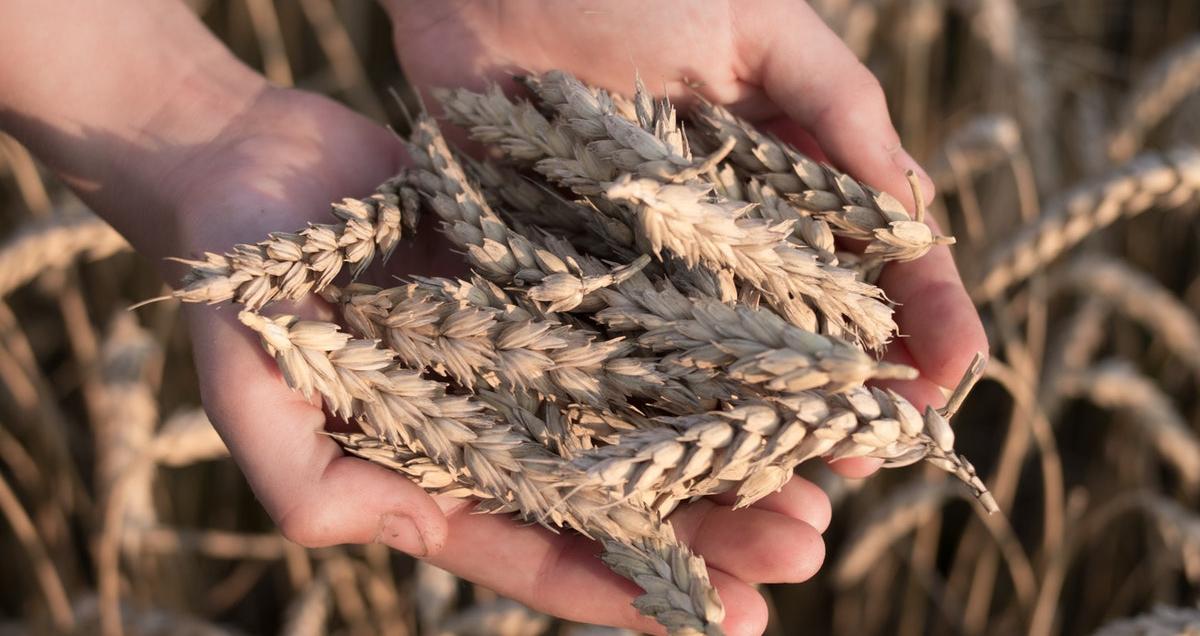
[400,532]
[905,162]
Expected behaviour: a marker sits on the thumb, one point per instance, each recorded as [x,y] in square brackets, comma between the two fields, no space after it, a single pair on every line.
[818,82]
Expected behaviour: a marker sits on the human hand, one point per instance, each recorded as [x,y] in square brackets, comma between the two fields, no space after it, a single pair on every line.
[771,61]
[265,163]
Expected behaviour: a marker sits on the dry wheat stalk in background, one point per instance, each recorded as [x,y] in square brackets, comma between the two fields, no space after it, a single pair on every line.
[915,561]
[53,243]
[1161,88]
[1152,180]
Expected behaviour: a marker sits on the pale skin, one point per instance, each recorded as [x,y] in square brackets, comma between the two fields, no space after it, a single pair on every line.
[183,149]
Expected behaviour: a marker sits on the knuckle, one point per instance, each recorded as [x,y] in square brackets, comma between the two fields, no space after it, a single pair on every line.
[303,526]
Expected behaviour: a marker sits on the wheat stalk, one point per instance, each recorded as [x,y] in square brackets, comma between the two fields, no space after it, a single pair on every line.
[359,380]
[287,266]
[977,146]
[53,243]
[679,217]
[1170,79]
[1140,297]
[1152,180]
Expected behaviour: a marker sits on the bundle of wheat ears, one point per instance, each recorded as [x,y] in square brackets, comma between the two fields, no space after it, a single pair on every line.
[656,312]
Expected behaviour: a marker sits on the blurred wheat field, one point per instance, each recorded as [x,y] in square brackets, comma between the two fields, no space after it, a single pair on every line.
[1063,139]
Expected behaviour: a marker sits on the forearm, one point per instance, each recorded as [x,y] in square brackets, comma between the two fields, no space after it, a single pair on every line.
[114,96]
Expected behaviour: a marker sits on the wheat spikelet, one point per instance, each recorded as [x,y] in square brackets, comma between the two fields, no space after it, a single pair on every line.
[1158,91]
[287,266]
[1117,385]
[851,208]
[53,243]
[1140,297]
[681,218]
[1152,180]
[359,380]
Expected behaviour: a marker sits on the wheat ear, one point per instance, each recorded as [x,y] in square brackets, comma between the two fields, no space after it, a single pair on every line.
[1139,297]
[758,442]
[680,217]
[502,346]
[358,379]
[1170,79]
[1117,385]
[1149,181]
[52,243]
[288,266]
[851,208]
[749,345]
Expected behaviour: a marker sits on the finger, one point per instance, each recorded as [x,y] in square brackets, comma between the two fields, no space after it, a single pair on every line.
[936,314]
[755,545]
[561,574]
[317,496]
[856,467]
[799,499]
[819,82]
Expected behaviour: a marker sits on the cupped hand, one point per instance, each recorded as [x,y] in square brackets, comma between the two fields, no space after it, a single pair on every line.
[773,62]
[276,167]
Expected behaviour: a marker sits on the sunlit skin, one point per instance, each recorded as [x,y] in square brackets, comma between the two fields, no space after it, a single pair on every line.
[184,149]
